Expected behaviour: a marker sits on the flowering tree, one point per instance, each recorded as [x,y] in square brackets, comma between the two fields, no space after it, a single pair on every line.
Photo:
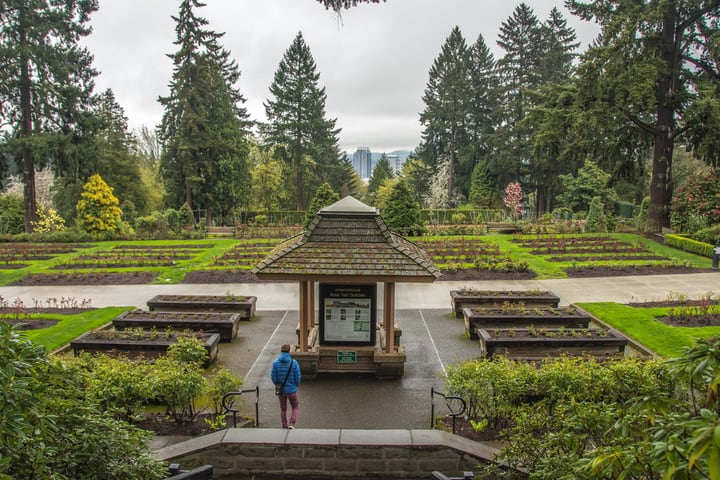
[513,198]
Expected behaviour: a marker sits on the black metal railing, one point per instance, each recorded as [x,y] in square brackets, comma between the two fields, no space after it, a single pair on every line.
[456,406]
[228,403]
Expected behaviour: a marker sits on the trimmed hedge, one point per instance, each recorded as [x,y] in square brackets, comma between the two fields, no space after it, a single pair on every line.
[689,245]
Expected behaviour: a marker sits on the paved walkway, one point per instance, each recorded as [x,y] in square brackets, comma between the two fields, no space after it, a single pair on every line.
[433,339]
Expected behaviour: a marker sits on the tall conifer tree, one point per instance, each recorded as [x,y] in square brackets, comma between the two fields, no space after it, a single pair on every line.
[448,102]
[204,124]
[298,129]
[45,77]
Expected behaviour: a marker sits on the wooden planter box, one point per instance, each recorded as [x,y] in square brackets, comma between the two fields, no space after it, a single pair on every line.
[225,324]
[243,306]
[472,299]
[488,318]
[107,341]
[520,344]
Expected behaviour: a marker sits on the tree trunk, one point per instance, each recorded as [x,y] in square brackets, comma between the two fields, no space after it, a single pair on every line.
[28,162]
[661,186]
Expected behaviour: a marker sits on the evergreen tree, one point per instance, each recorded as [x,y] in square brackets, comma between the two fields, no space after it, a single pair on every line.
[417,174]
[382,171]
[519,70]
[559,45]
[297,130]
[46,77]
[651,66]
[204,125]
[579,190]
[98,209]
[107,148]
[402,213]
[482,187]
[448,101]
[482,114]
[323,197]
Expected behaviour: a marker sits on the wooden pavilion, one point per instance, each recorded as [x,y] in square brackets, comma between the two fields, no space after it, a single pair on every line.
[348,249]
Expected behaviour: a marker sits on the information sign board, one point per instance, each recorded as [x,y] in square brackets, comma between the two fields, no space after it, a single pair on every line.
[347,314]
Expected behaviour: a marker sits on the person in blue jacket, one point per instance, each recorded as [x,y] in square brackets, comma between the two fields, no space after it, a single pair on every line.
[284,367]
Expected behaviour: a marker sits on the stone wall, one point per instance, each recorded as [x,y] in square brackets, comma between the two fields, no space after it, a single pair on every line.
[240,453]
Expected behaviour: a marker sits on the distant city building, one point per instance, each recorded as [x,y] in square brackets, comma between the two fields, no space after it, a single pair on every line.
[394,161]
[362,162]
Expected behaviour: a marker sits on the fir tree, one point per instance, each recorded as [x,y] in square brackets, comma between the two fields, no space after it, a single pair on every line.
[519,71]
[402,213]
[323,197]
[652,66]
[204,124]
[382,171]
[46,77]
[298,130]
[447,105]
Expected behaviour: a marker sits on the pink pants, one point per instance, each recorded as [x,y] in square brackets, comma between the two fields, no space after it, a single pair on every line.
[294,403]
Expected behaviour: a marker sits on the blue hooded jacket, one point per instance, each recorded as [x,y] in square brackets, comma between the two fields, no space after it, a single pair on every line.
[280,367]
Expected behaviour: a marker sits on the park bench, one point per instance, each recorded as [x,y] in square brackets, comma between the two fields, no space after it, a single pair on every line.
[221,231]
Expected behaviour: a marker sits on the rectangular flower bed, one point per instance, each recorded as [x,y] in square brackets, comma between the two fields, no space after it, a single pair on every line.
[536,344]
[135,343]
[244,306]
[469,298]
[511,317]
[225,324]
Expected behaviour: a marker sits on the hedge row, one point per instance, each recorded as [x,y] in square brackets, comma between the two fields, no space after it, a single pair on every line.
[689,245]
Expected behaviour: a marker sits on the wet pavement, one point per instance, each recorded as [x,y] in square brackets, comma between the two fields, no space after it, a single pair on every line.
[432,337]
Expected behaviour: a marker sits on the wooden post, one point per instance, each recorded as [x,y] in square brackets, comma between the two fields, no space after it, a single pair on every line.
[389,316]
[303,312]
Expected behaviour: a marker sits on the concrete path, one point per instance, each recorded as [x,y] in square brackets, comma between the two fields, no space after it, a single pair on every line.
[433,338]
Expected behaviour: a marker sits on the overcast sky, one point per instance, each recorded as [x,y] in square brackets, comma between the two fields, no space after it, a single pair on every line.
[373,62]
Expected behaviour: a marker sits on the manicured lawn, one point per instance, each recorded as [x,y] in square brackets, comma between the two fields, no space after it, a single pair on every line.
[70,327]
[640,324]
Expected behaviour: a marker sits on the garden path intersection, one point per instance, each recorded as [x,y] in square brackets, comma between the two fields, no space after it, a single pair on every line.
[432,337]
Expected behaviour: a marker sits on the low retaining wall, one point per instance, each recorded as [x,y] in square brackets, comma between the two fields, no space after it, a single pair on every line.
[242,453]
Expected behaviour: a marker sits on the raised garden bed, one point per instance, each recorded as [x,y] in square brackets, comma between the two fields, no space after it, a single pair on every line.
[536,344]
[540,317]
[469,298]
[222,323]
[243,306]
[147,343]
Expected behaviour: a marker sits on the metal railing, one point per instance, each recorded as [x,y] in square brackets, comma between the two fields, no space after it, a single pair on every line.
[228,403]
[456,406]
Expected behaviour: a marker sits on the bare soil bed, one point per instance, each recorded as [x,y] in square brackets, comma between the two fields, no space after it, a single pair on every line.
[245,276]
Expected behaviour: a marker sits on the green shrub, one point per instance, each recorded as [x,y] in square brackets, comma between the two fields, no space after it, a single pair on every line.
[641,222]
[12,214]
[222,382]
[596,219]
[696,205]
[709,235]
[689,245]
[189,350]
[177,385]
[459,218]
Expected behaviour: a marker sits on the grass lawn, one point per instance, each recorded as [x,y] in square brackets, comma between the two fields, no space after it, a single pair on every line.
[639,323]
[70,327]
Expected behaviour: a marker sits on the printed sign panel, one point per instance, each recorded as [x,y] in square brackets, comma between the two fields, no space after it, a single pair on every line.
[347,314]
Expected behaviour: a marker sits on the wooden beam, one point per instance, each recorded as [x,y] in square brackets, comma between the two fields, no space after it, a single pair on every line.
[302,341]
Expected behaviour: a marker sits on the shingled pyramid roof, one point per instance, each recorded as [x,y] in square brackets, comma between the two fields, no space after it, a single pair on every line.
[348,240]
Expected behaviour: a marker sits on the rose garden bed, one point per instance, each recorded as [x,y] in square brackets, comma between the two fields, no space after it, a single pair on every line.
[244,306]
[536,344]
[469,298]
[224,324]
[511,316]
[140,342]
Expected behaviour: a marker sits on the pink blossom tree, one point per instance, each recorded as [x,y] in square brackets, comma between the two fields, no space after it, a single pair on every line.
[513,198]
